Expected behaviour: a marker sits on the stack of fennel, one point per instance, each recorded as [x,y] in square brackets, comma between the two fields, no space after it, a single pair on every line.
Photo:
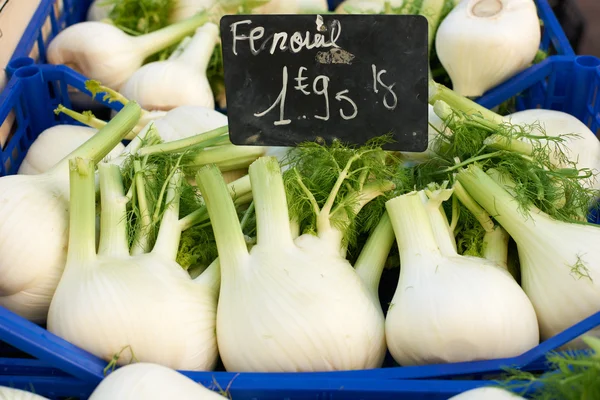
[475,45]
[162,54]
[279,269]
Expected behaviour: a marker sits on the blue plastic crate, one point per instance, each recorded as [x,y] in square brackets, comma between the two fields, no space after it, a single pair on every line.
[558,83]
[554,39]
[59,14]
[32,95]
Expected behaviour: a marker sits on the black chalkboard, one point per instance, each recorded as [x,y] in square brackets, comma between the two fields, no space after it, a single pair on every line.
[295,78]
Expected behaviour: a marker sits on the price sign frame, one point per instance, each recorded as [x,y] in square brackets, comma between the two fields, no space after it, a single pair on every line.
[296,78]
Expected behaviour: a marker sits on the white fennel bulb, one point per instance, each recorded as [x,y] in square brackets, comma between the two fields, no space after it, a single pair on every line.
[105,53]
[99,11]
[154,309]
[293,7]
[56,143]
[482,43]
[164,85]
[583,147]
[287,305]
[146,381]
[448,307]
[7,393]
[560,261]
[487,393]
[36,210]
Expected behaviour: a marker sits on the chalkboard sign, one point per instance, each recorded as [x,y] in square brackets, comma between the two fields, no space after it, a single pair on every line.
[296,78]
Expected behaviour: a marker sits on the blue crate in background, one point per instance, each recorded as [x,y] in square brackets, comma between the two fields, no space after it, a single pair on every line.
[554,39]
[558,83]
[51,17]
[32,95]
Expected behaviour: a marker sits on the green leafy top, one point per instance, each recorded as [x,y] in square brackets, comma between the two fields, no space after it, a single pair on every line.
[352,174]
[542,174]
[572,376]
[137,17]
[537,166]
[147,178]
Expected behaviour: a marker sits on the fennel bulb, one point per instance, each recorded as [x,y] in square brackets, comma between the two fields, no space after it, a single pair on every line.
[164,85]
[105,53]
[36,210]
[288,304]
[154,308]
[482,43]
[7,393]
[56,143]
[448,307]
[583,149]
[560,261]
[145,381]
[487,393]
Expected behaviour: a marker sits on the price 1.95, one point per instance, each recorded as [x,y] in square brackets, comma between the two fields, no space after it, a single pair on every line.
[320,86]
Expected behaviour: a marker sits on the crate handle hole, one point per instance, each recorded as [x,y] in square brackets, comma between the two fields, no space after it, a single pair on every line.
[19,62]
[588,61]
[27,72]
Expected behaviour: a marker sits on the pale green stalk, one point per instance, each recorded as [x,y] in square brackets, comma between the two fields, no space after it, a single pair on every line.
[411,224]
[153,42]
[371,261]
[432,203]
[240,190]
[228,157]
[169,233]
[495,239]
[141,243]
[181,145]
[231,244]
[82,213]
[86,119]
[499,142]
[110,95]
[272,216]
[323,218]
[496,201]
[460,103]
[102,143]
[495,246]
[113,221]
[478,212]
